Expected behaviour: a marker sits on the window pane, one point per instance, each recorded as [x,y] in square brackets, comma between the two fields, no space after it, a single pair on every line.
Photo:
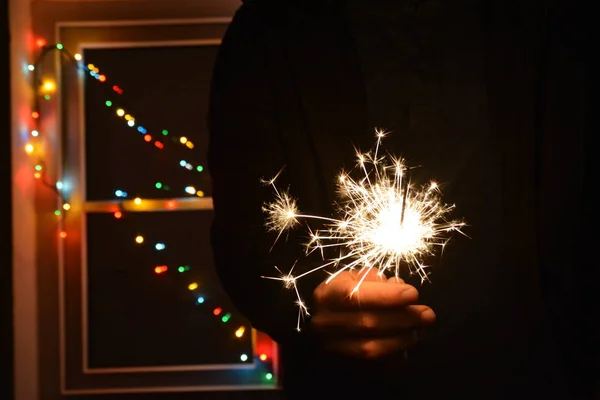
[142,310]
[163,89]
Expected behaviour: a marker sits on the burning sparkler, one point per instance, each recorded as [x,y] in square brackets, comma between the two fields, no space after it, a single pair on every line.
[384,221]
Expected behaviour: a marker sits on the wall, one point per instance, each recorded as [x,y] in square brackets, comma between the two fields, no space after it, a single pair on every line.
[24,244]
[6,293]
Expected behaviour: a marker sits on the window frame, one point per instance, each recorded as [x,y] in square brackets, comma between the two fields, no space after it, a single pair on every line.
[69,150]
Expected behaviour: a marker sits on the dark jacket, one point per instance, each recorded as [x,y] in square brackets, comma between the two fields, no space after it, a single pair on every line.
[501,118]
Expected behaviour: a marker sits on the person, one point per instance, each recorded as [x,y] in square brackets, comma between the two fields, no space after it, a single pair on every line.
[488,98]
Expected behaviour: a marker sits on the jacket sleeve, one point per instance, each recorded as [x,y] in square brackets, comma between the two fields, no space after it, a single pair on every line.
[245,148]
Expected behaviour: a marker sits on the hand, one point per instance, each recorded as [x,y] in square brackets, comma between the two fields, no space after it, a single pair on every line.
[380,320]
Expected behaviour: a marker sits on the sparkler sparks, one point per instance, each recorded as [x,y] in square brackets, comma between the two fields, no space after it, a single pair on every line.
[383,222]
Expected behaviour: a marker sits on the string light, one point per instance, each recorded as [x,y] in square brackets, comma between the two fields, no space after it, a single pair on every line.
[240,331]
[48,87]
[183,268]
[45,88]
[130,120]
[226,317]
[194,286]
[161,269]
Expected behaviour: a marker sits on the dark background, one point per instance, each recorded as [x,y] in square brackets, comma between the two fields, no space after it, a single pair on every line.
[6,327]
[159,320]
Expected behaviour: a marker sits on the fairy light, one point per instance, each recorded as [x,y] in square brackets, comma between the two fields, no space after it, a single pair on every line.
[48,87]
[217,311]
[130,120]
[45,89]
[160,269]
[226,317]
[240,331]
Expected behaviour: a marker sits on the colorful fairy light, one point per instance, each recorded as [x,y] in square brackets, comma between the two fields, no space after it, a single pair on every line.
[195,287]
[130,120]
[45,88]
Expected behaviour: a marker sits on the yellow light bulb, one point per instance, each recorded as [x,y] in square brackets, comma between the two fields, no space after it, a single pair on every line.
[29,148]
[137,201]
[183,140]
[66,206]
[77,57]
[240,332]
[48,87]
[120,112]
[139,239]
[193,286]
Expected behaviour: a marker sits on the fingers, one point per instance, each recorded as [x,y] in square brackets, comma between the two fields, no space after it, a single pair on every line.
[341,294]
[367,274]
[372,323]
[395,279]
[372,348]
[372,274]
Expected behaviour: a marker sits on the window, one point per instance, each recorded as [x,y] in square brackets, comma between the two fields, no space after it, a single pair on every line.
[140,303]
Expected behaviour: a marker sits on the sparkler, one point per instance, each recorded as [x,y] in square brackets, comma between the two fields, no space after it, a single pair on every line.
[383,222]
